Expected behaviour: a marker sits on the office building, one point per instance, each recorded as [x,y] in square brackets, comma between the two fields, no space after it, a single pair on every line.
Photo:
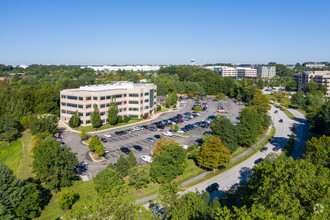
[227,71]
[129,68]
[266,71]
[314,65]
[133,100]
[245,73]
[320,77]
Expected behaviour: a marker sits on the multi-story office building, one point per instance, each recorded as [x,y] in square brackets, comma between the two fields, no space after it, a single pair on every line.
[320,77]
[245,73]
[314,65]
[266,71]
[226,71]
[133,100]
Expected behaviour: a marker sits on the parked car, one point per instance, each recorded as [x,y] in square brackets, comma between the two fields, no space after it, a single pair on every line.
[257,161]
[137,128]
[152,128]
[276,111]
[138,147]
[118,133]
[276,149]
[168,133]
[146,158]
[180,131]
[150,139]
[125,150]
[157,136]
[281,121]
[212,187]
[107,135]
[106,151]
[264,149]
[199,141]
[104,140]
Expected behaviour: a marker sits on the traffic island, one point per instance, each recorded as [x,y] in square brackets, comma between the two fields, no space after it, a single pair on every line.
[181,135]
[95,157]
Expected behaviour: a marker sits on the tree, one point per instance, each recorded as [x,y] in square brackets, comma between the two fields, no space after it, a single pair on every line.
[220,96]
[131,160]
[260,100]
[95,117]
[213,154]
[126,119]
[319,118]
[93,143]
[106,180]
[42,124]
[298,99]
[312,87]
[318,151]
[75,121]
[260,83]
[169,163]
[11,191]
[197,109]
[168,194]
[159,145]
[99,149]
[249,126]
[291,85]
[223,128]
[138,177]
[9,128]
[67,200]
[122,166]
[84,133]
[53,165]
[113,112]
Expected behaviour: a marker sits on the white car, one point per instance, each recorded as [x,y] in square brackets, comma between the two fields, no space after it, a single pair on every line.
[146,158]
[168,133]
[107,135]
[136,129]
[180,131]
[185,147]
[106,151]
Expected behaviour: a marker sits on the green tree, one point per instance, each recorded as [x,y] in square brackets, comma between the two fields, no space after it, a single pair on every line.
[9,128]
[138,177]
[298,99]
[99,149]
[318,150]
[113,112]
[260,83]
[95,117]
[169,163]
[83,133]
[122,166]
[291,85]
[75,121]
[93,143]
[312,87]
[44,124]
[213,154]
[227,132]
[319,118]
[67,200]
[249,127]
[106,180]
[197,109]
[126,119]
[260,100]
[53,165]
[11,191]
[131,160]
[220,96]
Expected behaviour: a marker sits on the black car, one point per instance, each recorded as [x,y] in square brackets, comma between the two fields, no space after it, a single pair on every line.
[212,187]
[118,133]
[264,149]
[207,132]
[125,150]
[160,126]
[281,121]
[199,141]
[152,128]
[104,140]
[157,136]
[138,147]
[257,161]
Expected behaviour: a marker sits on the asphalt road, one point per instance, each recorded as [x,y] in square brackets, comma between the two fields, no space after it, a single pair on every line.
[139,137]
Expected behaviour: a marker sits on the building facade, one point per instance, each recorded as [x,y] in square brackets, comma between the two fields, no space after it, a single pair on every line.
[245,73]
[133,100]
[314,65]
[266,71]
[320,77]
[227,71]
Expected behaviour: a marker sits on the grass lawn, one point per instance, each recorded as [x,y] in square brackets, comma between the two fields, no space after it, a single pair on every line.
[11,154]
[86,191]
[103,127]
[25,167]
[238,151]
[287,112]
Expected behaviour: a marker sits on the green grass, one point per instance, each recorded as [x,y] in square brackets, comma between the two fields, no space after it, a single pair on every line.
[103,127]
[235,163]
[11,154]
[290,145]
[287,112]
[25,167]
[86,191]
[302,111]
[191,171]
[238,151]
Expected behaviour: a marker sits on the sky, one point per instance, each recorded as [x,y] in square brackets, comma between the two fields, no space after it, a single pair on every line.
[100,32]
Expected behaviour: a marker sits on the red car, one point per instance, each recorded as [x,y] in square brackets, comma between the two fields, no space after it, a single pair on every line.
[276,149]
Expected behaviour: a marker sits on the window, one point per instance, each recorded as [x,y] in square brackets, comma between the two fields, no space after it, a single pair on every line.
[109,97]
[80,114]
[70,112]
[119,103]
[80,106]
[63,96]
[133,102]
[133,116]
[81,98]
[102,106]
[102,98]
[71,105]
[124,109]
[102,113]
[108,104]
[88,106]
[147,93]
[118,96]
[88,121]
[72,97]
[146,107]
[88,113]
[94,97]
[88,98]
[119,110]
[63,103]
[141,101]
[141,108]
[125,102]
[125,95]
[133,95]
[63,111]
[146,100]
[141,94]
[133,109]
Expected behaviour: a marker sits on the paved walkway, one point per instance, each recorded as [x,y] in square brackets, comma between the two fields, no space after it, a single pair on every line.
[152,197]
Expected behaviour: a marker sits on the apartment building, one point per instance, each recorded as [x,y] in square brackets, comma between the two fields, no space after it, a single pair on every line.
[245,72]
[320,77]
[133,100]
[266,71]
[314,65]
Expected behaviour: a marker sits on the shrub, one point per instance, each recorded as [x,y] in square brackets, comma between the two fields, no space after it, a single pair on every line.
[192,147]
[145,116]
[126,119]
[159,108]
[120,119]
[67,200]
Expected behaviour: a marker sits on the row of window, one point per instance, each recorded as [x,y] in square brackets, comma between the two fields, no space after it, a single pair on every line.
[103,105]
[103,113]
[103,97]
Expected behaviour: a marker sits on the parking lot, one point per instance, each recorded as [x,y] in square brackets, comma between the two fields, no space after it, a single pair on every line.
[115,142]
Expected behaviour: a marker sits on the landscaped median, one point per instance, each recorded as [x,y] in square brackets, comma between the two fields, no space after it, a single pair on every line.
[287,112]
[181,135]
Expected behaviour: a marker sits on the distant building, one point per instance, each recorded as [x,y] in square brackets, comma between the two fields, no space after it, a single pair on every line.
[266,71]
[315,65]
[133,100]
[320,77]
[225,71]
[245,73]
[132,68]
